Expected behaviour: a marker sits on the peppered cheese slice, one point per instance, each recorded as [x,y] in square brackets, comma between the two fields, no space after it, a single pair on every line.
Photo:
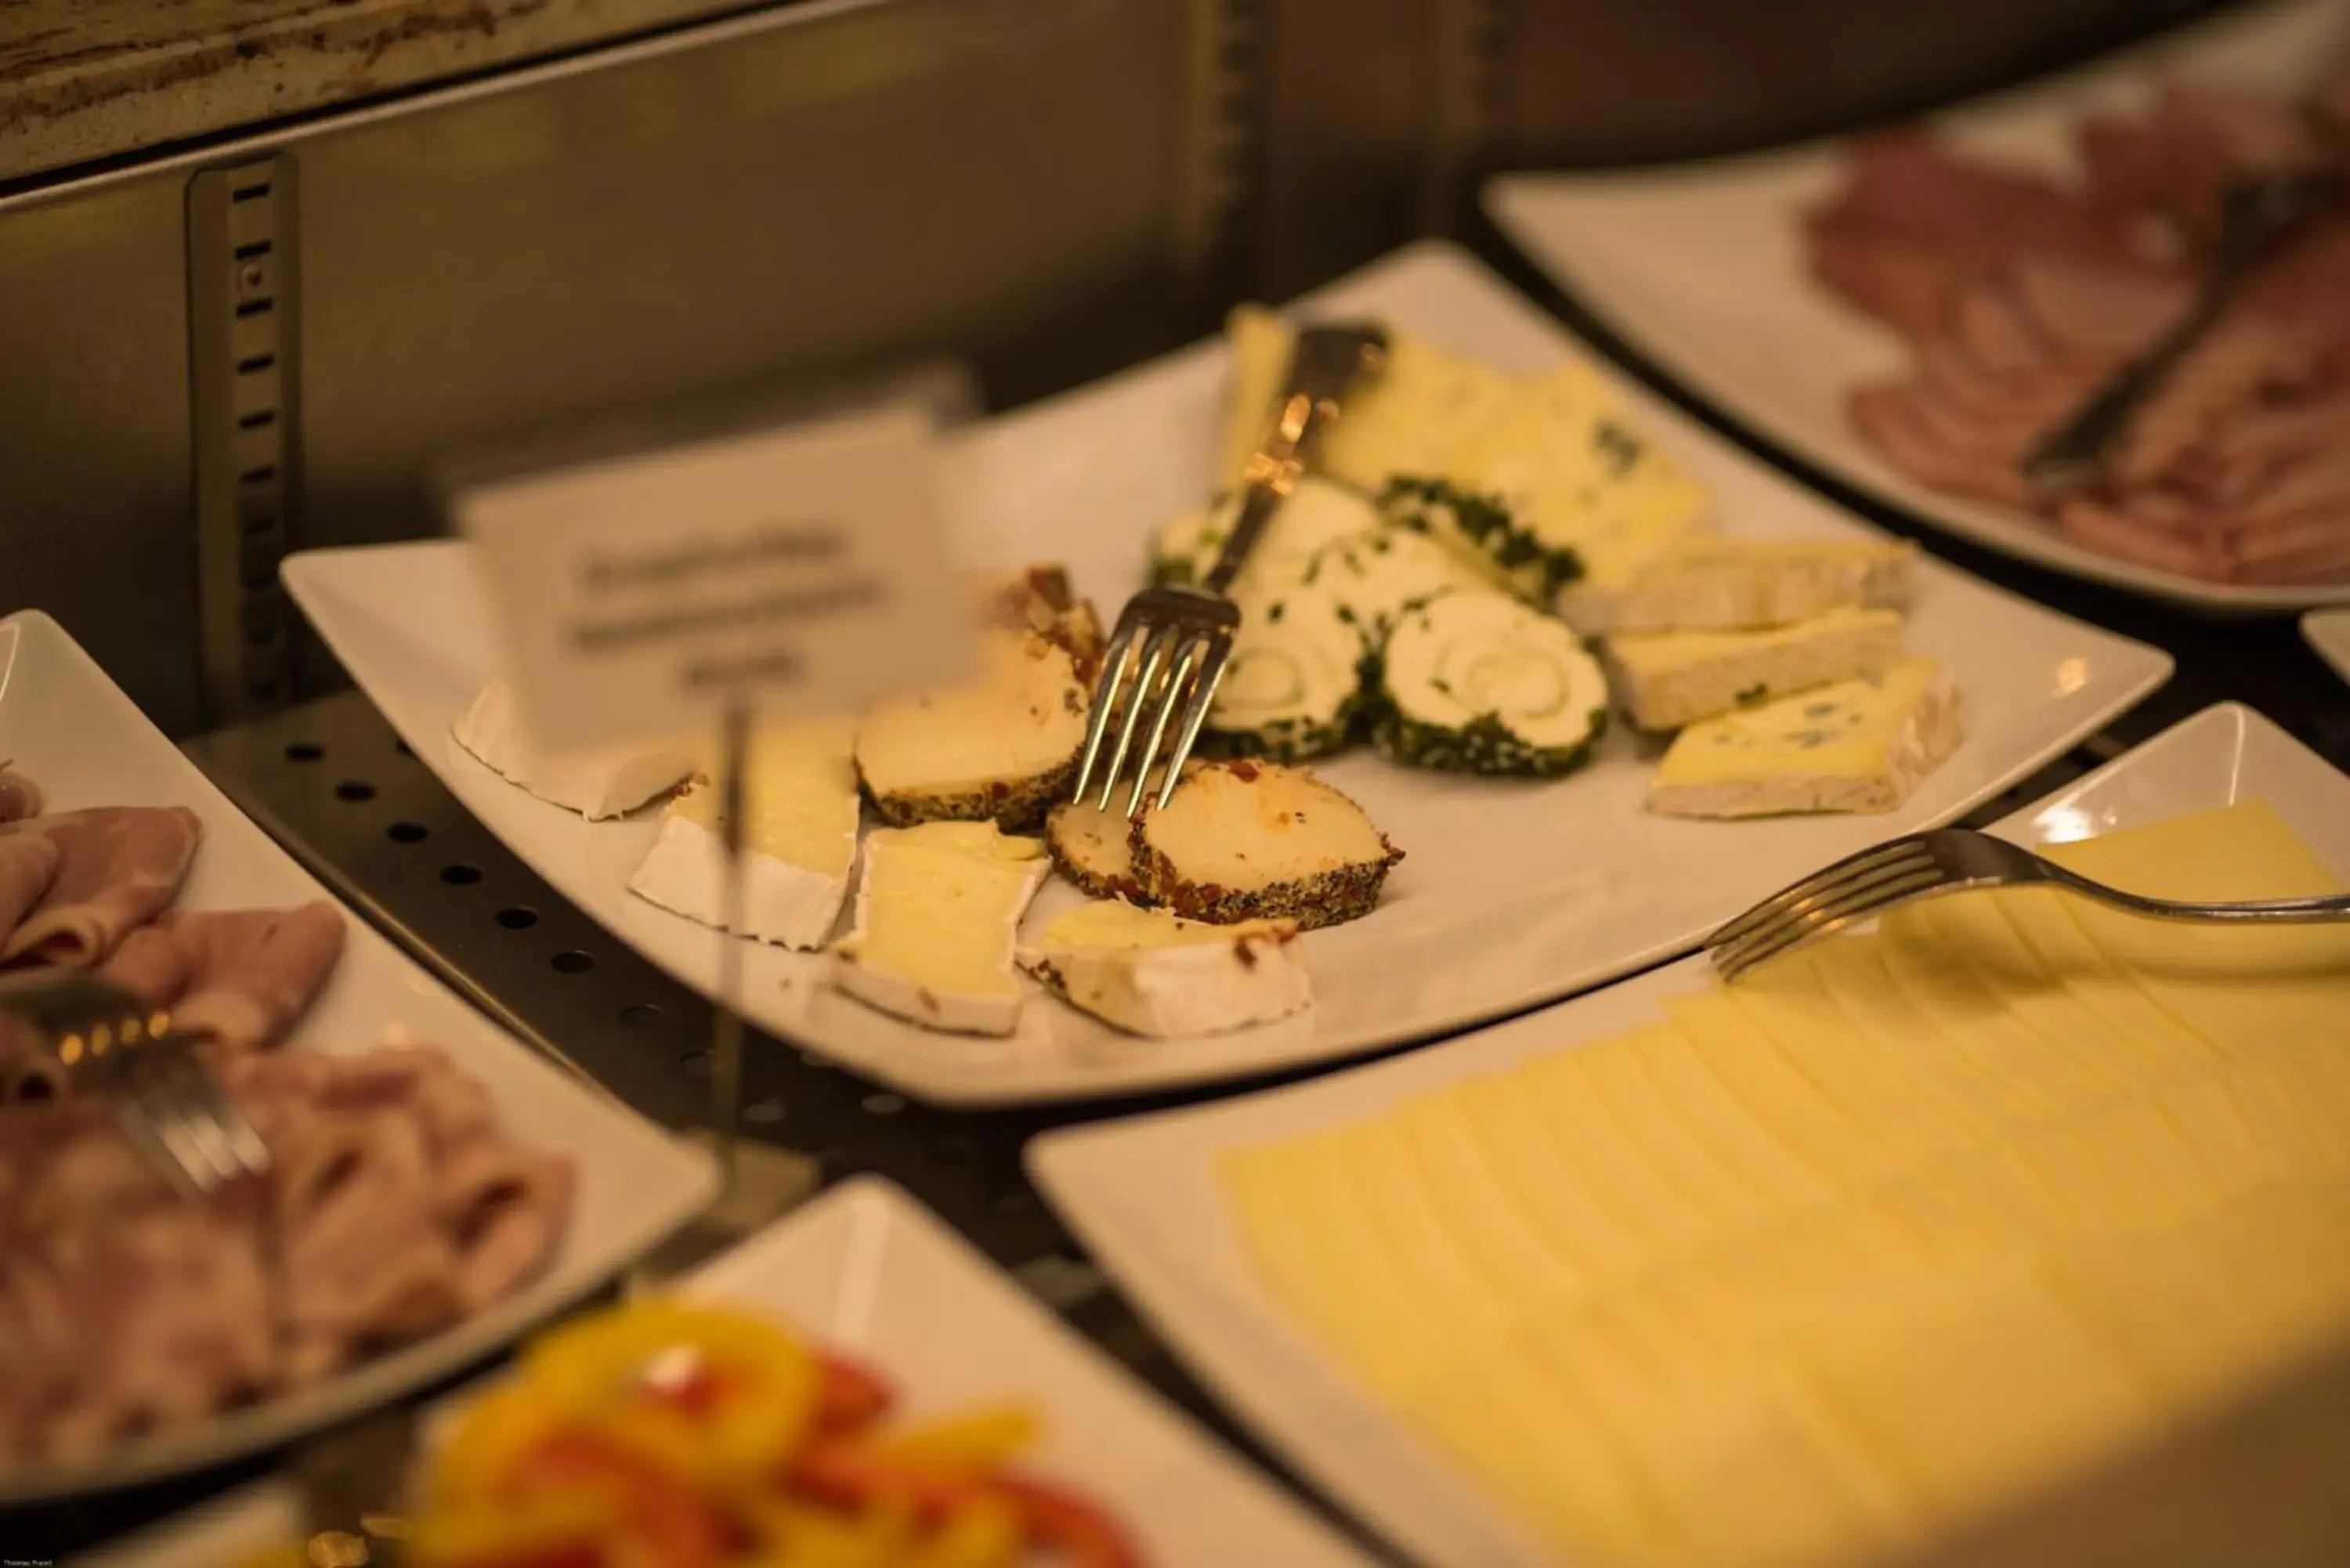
[1670,679]
[1154,973]
[799,840]
[1861,745]
[936,915]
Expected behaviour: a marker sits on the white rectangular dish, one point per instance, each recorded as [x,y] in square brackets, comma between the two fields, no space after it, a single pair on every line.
[2328,632]
[1513,893]
[867,1270]
[1700,266]
[74,732]
[1142,1193]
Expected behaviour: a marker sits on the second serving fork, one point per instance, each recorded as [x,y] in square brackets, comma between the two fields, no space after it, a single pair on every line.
[1170,644]
[1948,860]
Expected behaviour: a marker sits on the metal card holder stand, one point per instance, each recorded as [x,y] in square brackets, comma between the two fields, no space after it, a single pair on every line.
[759,1182]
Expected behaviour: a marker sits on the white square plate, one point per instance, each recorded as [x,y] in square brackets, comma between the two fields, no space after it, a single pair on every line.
[867,1270]
[1701,268]
[2328,632]
[1142,1196]
[1514,894]
[73,731]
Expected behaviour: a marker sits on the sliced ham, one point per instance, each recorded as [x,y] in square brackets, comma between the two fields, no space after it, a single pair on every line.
[117,868]
[1903,426]
[28,867]
[396,1208]
[20,797]
[249,973]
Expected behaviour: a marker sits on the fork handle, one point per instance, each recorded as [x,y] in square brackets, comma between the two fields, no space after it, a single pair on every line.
[1322,366]
[2255,911]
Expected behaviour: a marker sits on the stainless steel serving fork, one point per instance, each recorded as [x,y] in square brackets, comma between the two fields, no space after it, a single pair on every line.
[103,1041]
[2256,214]
[1947,860]
[1170,644]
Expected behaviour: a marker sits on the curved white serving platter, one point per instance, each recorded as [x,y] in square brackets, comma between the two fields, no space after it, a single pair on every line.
[1512,893]
[72,731]
[2328,632]
[1700,267]
[1142,1195]
[867,1270]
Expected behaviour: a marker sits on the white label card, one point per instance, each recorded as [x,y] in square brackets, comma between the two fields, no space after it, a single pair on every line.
[803,571]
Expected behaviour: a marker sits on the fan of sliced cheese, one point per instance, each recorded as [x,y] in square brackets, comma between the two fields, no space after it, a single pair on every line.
[1902,1229]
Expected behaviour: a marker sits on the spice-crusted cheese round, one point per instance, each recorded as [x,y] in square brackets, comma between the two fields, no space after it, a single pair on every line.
[1477,682]
[1089,844]
[1002,748]
[1250,841]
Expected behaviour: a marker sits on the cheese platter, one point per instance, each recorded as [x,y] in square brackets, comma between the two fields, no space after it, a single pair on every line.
[1419,774]
[1818,1266]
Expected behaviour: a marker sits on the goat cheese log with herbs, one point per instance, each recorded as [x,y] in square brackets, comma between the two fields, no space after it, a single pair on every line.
[1479,683]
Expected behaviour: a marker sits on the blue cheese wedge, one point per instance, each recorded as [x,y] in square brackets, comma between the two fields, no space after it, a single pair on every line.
[938,916]
[1859,746]
[1423,404]
[596,782]
[799,840]
[1558,499]
[1152,973]
[1316,514]
[1670,679]
[1713,583]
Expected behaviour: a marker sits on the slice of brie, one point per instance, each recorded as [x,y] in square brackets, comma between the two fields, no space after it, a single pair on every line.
[1670,679]
[938,913]
[1151,972]
[799,840]
[596,782]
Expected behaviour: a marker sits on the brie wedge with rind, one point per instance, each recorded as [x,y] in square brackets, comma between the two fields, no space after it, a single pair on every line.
[938,913]
[596,782]
[1668,678]
[1714,583]
[1250,841]
[799,840]
[1861,745]
[1151,972]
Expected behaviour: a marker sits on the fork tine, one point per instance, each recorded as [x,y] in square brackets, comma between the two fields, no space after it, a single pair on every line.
[1178,685]
[1146,683]
[1796,930]
[1825,891]
[157,1126]
[1815,884]
[158,1082]
[1107,690]
[208,1097]
[1195,710]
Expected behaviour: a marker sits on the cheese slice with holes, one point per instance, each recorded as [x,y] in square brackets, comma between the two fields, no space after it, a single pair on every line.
[1151,972]
[799,840]
[596,781]
[938,913]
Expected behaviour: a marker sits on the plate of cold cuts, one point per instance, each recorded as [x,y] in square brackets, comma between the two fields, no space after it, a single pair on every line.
[436,1187]
[1912,310]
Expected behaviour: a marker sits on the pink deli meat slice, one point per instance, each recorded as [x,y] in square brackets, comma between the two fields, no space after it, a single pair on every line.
[20,797]
[117,868]
[249,973]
